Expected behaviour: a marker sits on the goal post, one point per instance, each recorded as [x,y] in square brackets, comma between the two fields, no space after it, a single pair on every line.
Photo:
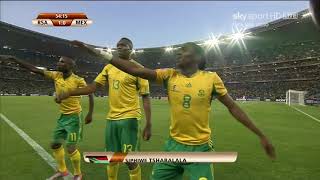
[295,97]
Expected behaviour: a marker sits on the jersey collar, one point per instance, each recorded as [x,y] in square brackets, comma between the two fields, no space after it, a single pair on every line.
[193,75]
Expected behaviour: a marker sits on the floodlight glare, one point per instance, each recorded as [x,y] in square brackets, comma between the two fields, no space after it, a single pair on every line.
[211,42]
[237,36]
[168,49]
[109,50]
[306,15]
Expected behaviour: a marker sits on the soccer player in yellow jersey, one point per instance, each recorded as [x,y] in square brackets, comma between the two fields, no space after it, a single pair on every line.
[69,124]
[122,129]
[190,91]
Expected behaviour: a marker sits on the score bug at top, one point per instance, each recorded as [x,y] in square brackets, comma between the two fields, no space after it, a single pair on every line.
[62,19]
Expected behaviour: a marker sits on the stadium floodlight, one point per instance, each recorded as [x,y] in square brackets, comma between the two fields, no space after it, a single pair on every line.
[239,35]
[213,41]
[42,68]
[139,51]
[169,49]
[295,97]
[306,14]
[109,50]
[238,38]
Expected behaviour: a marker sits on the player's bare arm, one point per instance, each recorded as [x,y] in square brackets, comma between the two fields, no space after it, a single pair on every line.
[147,112]
[134,69]
[89,89]
[90,112]
[124,65]
[24,64]
[243,118]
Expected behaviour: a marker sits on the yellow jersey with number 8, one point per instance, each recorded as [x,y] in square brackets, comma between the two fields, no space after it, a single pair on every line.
[190,103]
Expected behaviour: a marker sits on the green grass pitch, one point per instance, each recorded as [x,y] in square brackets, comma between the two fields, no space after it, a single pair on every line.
[295,136]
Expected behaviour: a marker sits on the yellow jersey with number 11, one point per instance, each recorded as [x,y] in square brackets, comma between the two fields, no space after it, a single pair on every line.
[73,103]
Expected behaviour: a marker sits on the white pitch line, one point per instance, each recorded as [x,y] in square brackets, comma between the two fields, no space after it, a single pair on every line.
[39,149]
[306,114]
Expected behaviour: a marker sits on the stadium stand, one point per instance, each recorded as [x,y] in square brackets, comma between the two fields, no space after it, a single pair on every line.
[281,55]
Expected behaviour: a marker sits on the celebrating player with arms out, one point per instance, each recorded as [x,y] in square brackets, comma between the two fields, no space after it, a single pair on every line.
[122,129]
[70,124]
[190,92]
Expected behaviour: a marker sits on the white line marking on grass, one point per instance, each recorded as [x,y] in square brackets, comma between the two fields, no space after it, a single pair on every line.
[39,149]
[306,114]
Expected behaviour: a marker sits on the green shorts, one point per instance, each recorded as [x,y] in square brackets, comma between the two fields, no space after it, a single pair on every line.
[174,171]
[122,135]
[69,129]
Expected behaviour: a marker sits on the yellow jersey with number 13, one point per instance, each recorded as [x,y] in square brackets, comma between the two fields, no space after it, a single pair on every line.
[124,91]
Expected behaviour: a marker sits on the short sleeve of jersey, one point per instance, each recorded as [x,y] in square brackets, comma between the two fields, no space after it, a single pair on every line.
[163,75]
[82,83]
[102,77]
[143,86]
[218,86]
[50,74]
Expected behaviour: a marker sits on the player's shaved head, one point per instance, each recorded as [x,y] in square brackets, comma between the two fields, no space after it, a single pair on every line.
[66,64]
[124,48]
[190,54]
[126,41]
[194,48]
[69,61]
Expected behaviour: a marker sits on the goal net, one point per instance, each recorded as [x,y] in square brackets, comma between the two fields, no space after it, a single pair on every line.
[295,97]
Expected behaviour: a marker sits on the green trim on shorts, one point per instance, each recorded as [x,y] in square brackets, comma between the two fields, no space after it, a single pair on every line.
[69,128]
[174,171]
[175,146]
[122,135]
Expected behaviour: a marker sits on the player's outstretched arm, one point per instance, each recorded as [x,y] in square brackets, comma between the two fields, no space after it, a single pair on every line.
[89,89]
[147,112]
[24,64]
[134,69]
[90,112]
[242,117]
[124,65]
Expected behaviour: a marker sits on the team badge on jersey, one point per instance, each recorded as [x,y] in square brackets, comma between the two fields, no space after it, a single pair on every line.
[201,93]
[174,88]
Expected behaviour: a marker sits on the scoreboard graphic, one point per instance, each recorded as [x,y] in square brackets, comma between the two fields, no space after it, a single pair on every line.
[62,19]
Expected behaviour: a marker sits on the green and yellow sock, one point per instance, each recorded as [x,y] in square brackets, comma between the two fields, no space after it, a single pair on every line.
[59,156]
[75,158]
[112,171]
[135,174]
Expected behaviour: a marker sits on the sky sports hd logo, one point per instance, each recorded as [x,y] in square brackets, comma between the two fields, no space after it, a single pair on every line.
[62,19]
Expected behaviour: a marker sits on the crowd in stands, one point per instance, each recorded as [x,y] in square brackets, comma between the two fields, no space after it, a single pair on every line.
[272,80]
[264,68]
[265,79]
